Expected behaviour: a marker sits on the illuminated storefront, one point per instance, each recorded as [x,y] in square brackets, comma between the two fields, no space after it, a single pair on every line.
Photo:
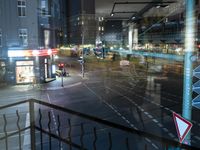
[30,66]
[24,72]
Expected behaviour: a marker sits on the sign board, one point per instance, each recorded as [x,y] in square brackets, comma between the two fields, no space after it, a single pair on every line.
[182,126]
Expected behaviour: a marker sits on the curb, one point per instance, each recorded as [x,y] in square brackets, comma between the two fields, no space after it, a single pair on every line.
[50,80]
[68,86]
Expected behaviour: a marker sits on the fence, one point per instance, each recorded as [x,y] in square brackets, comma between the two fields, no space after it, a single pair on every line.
[52,127]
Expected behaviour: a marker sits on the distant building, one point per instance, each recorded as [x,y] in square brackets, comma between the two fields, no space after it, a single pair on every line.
[113,33]
[30,32]
[81,25]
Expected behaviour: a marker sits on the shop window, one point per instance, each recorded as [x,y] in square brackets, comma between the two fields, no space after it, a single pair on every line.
[24,72]
[21,5]
[23,36]
[24,63]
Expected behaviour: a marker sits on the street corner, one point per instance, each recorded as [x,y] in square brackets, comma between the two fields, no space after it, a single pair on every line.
[63,86]
[84,76]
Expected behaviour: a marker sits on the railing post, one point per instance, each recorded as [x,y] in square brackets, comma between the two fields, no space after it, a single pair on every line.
[32,124]
[18,126]
[5,131]
[40,123]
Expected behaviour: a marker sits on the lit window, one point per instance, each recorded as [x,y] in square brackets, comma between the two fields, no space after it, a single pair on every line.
[21,5]
[43,4]
[43,8]
[23,36]
[0,38]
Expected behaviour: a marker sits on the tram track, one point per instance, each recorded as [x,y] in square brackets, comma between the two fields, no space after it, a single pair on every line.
[150,116]
[112,107]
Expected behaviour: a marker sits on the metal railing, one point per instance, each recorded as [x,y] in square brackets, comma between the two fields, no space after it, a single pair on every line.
[52,127]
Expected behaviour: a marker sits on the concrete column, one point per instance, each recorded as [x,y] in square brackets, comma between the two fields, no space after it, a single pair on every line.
[135,38]
[130,36]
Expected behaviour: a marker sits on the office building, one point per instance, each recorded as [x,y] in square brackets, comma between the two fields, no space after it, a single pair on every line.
[30,32]
[81,24]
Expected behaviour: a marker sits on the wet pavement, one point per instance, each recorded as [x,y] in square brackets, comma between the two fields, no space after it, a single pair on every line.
[137,96]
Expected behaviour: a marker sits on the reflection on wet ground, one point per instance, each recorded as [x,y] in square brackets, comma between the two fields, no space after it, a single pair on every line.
[145,98]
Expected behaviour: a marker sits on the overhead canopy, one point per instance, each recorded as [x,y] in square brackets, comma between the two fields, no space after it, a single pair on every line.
[133,9]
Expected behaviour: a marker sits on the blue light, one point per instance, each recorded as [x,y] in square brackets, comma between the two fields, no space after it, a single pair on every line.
[152,54]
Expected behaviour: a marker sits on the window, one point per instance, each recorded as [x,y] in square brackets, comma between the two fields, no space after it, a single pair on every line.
[0,38]
[23,37]
[43,7]
[21,5]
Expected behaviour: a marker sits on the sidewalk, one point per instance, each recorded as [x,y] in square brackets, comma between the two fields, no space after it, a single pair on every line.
[74,79]
[3,85]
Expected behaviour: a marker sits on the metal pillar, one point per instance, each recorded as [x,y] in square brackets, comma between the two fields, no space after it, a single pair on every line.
[188,68]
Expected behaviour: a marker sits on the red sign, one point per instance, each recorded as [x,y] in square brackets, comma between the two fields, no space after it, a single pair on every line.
[28,53]
[182,126]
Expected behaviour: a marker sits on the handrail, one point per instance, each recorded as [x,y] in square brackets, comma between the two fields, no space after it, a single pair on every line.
[14,133]
[59,138]
[32,102]
[14,104]
[117,126]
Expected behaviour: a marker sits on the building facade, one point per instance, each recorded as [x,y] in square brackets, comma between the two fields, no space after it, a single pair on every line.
[113,33]
[29,35]
[81,24]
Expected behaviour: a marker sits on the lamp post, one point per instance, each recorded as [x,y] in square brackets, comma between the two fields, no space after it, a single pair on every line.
[62,78]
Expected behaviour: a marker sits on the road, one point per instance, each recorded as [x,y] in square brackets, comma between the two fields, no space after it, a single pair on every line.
[135,96]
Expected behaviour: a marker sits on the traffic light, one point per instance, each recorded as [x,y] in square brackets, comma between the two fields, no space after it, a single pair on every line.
[60,66]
